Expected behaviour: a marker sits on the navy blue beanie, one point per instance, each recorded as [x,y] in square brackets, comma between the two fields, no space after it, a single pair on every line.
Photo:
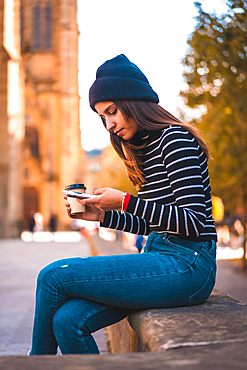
[119,79]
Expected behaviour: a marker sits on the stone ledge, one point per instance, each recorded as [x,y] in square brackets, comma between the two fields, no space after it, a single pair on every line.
[221,319]
[220,357]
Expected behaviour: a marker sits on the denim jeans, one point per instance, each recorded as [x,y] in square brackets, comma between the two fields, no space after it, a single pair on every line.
[78,296]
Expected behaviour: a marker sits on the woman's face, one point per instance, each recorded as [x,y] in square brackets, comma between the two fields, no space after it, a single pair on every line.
[115,121]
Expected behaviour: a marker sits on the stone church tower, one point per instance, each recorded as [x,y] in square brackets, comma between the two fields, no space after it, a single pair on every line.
[51,153]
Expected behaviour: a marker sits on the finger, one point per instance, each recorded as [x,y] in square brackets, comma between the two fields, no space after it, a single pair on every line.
[77,215]
[87,202]
[99,191]
[69,211]
[73,216]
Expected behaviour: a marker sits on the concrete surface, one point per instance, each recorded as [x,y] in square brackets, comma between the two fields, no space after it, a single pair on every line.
[229,357]
[220,320]
[231,280]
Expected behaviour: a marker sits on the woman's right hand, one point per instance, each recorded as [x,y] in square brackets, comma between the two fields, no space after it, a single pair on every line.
[91,214]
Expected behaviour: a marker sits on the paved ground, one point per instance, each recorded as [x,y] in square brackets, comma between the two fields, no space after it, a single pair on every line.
[20,264]
[231,280]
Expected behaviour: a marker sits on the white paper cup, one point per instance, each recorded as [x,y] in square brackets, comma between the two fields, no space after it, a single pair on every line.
[75,206]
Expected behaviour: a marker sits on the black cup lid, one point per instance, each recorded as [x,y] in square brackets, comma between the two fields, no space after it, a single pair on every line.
[75,186]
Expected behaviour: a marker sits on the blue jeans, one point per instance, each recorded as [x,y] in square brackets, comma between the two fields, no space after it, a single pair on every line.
[78,296]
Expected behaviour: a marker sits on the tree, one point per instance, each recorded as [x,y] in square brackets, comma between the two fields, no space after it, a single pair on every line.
[215,70]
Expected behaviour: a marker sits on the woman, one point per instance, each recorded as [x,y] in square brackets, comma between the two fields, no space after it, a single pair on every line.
[167,160]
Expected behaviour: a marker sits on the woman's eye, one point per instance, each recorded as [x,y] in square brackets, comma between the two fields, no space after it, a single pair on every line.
[114,112]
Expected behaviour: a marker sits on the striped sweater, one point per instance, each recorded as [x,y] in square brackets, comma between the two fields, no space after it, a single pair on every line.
[176,197]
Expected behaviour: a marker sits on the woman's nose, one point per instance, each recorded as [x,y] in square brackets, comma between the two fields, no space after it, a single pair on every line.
[109,124]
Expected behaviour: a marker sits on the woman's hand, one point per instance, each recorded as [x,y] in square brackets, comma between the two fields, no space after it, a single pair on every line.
[106,200]
[91,214]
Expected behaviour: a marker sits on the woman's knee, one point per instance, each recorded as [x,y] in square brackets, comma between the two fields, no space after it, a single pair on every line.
[70,331]
[44,275]
[80,317]
[60,322]
[66,322]
[49,272]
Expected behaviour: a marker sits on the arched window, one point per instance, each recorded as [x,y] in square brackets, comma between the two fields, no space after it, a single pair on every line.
[32,141]
[22,26]
[48,26]
[42,25]
[36,27]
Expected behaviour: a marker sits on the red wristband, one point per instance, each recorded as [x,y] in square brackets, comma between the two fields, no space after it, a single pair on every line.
[126,201]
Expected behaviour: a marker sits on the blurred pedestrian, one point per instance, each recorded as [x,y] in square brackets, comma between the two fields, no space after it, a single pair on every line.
[140,242]
[53,222]
[31,221]
[39,221]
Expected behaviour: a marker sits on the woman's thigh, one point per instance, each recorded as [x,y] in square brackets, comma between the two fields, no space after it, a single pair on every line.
[135,281]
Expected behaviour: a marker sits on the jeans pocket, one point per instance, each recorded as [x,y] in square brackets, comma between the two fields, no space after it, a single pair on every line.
[204,292]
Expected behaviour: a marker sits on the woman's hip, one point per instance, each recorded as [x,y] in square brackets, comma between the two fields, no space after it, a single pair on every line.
[136,281]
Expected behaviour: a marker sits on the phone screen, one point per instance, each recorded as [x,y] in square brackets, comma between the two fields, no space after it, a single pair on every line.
[74,194]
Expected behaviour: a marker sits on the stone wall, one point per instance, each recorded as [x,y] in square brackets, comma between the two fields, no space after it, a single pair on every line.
[52,104]
[40,148]
[12,120]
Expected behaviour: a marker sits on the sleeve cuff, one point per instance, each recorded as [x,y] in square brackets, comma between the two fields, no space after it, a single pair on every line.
[106,220]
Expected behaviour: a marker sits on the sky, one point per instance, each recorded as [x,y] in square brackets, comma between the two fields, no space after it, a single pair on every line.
[152,34]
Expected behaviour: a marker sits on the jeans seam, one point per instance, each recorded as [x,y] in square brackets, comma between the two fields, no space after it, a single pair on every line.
[85,337]
[51,337]
[89,316]
[53,278]
[126,279]
[182,247]
[202,287]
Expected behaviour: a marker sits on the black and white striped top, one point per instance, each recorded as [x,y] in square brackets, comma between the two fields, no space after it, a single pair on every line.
[176,197]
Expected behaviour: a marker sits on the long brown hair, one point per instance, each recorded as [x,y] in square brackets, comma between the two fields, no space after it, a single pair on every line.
[152,117]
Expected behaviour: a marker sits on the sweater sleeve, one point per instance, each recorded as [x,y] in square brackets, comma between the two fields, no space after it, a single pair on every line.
[125,222]
[187,213]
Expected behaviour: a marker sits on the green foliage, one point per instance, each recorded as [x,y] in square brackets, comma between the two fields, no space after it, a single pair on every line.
[216,60]
[215,69]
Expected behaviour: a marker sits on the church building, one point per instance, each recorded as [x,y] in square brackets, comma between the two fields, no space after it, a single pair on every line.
[40,142]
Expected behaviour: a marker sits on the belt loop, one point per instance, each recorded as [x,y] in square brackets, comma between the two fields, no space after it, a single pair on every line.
[213,247]
[164,235]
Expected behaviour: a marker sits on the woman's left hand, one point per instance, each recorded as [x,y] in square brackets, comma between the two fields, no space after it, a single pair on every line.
[106,200]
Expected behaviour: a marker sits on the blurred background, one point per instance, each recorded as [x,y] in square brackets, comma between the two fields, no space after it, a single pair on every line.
[194,55]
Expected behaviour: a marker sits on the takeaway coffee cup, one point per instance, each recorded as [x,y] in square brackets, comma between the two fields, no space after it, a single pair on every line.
[75,206]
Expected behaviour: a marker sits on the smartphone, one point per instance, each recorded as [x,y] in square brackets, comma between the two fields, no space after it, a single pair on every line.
[75,194]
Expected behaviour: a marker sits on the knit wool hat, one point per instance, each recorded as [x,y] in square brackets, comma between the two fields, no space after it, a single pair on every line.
[119,79]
